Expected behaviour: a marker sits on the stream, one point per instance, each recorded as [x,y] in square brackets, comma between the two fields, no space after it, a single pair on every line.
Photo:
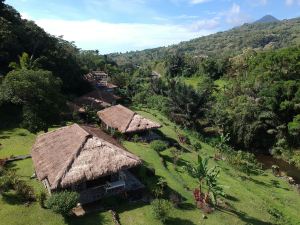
[267,161]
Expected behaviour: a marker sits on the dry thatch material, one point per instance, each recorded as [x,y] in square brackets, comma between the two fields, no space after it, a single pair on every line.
[96,99]
[71,155]
[98,158]
[125,120]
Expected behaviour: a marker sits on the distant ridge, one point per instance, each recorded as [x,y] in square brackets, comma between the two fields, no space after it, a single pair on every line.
[267,19]
[259,35]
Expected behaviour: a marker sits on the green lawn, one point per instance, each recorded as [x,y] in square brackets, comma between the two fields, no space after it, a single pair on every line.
[12,212]
[250,201]
[194,81]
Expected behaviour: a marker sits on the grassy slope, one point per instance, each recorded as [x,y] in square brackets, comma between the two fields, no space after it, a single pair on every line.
[17,142]
[250,199]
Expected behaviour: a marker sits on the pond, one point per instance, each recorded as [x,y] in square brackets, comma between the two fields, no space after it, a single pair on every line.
[267,161]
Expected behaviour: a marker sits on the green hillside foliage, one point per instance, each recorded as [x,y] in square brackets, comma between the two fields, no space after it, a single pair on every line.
[39,71]
[223,44]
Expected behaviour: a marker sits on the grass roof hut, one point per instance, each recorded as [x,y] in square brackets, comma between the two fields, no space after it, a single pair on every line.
[125,120]
[96,100]
[83,159]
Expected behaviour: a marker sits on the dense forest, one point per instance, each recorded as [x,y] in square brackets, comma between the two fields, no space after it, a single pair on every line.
[256,107]
[224,44]
[39,71]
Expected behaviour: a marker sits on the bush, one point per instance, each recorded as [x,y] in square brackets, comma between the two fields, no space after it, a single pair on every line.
[41,198]
[62,202]
[197,146]
[245,162]
[116,134]
[24,191]
[158,145]
[10,181]
[161,209]
[296,159]
[135,138]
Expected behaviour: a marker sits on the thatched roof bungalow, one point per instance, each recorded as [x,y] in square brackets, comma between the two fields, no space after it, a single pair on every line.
[97,100]
[125,120]
[78,158]
[100,80]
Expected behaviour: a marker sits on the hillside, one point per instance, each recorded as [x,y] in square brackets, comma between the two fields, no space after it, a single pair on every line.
[267,19]
[258,35]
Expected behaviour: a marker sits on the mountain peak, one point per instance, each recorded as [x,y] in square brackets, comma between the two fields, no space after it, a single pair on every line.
[267,19]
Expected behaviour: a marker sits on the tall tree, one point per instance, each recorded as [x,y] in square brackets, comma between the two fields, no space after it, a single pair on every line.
[38,93]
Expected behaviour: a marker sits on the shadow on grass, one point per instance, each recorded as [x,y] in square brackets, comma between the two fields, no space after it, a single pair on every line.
[22,134]
[89,219]
[11,198]
[231,198]
[178,221]
[243,216]
[148,177]
[129,206]
[4,137]
[172,142]
[186,206]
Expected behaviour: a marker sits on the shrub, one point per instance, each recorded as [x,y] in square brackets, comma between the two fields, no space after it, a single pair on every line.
[197,146]
[116,134]
[24,191]
[158,145]
[245,162]
[135,138]
[161,209]
[62,202]
[41,198]
[296,159]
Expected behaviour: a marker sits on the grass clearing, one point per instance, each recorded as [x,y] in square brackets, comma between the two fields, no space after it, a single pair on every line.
[251,200]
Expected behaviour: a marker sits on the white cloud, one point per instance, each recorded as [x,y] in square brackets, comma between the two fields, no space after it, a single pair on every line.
[263,2]
[198,1]
[112,37]
[205,24]
[235,16]
[25,15]
[292,2]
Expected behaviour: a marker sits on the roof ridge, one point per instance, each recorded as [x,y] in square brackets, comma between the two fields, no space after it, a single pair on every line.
[69,163]
[130,121]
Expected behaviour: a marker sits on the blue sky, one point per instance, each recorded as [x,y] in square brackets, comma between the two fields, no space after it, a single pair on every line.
[124,25]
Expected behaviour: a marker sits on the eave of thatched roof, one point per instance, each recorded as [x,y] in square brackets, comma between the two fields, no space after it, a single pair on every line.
[73,154]
[139,123]
[125,120]
[97,99]
[98,158]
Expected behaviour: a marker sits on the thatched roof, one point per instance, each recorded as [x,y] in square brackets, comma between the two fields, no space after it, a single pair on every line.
[125,120]
[71,155]
[97,99]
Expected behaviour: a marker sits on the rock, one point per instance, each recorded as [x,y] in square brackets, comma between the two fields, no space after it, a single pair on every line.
[291,180]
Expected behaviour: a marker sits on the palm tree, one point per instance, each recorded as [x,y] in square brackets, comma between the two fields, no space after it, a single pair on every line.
[25,63]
